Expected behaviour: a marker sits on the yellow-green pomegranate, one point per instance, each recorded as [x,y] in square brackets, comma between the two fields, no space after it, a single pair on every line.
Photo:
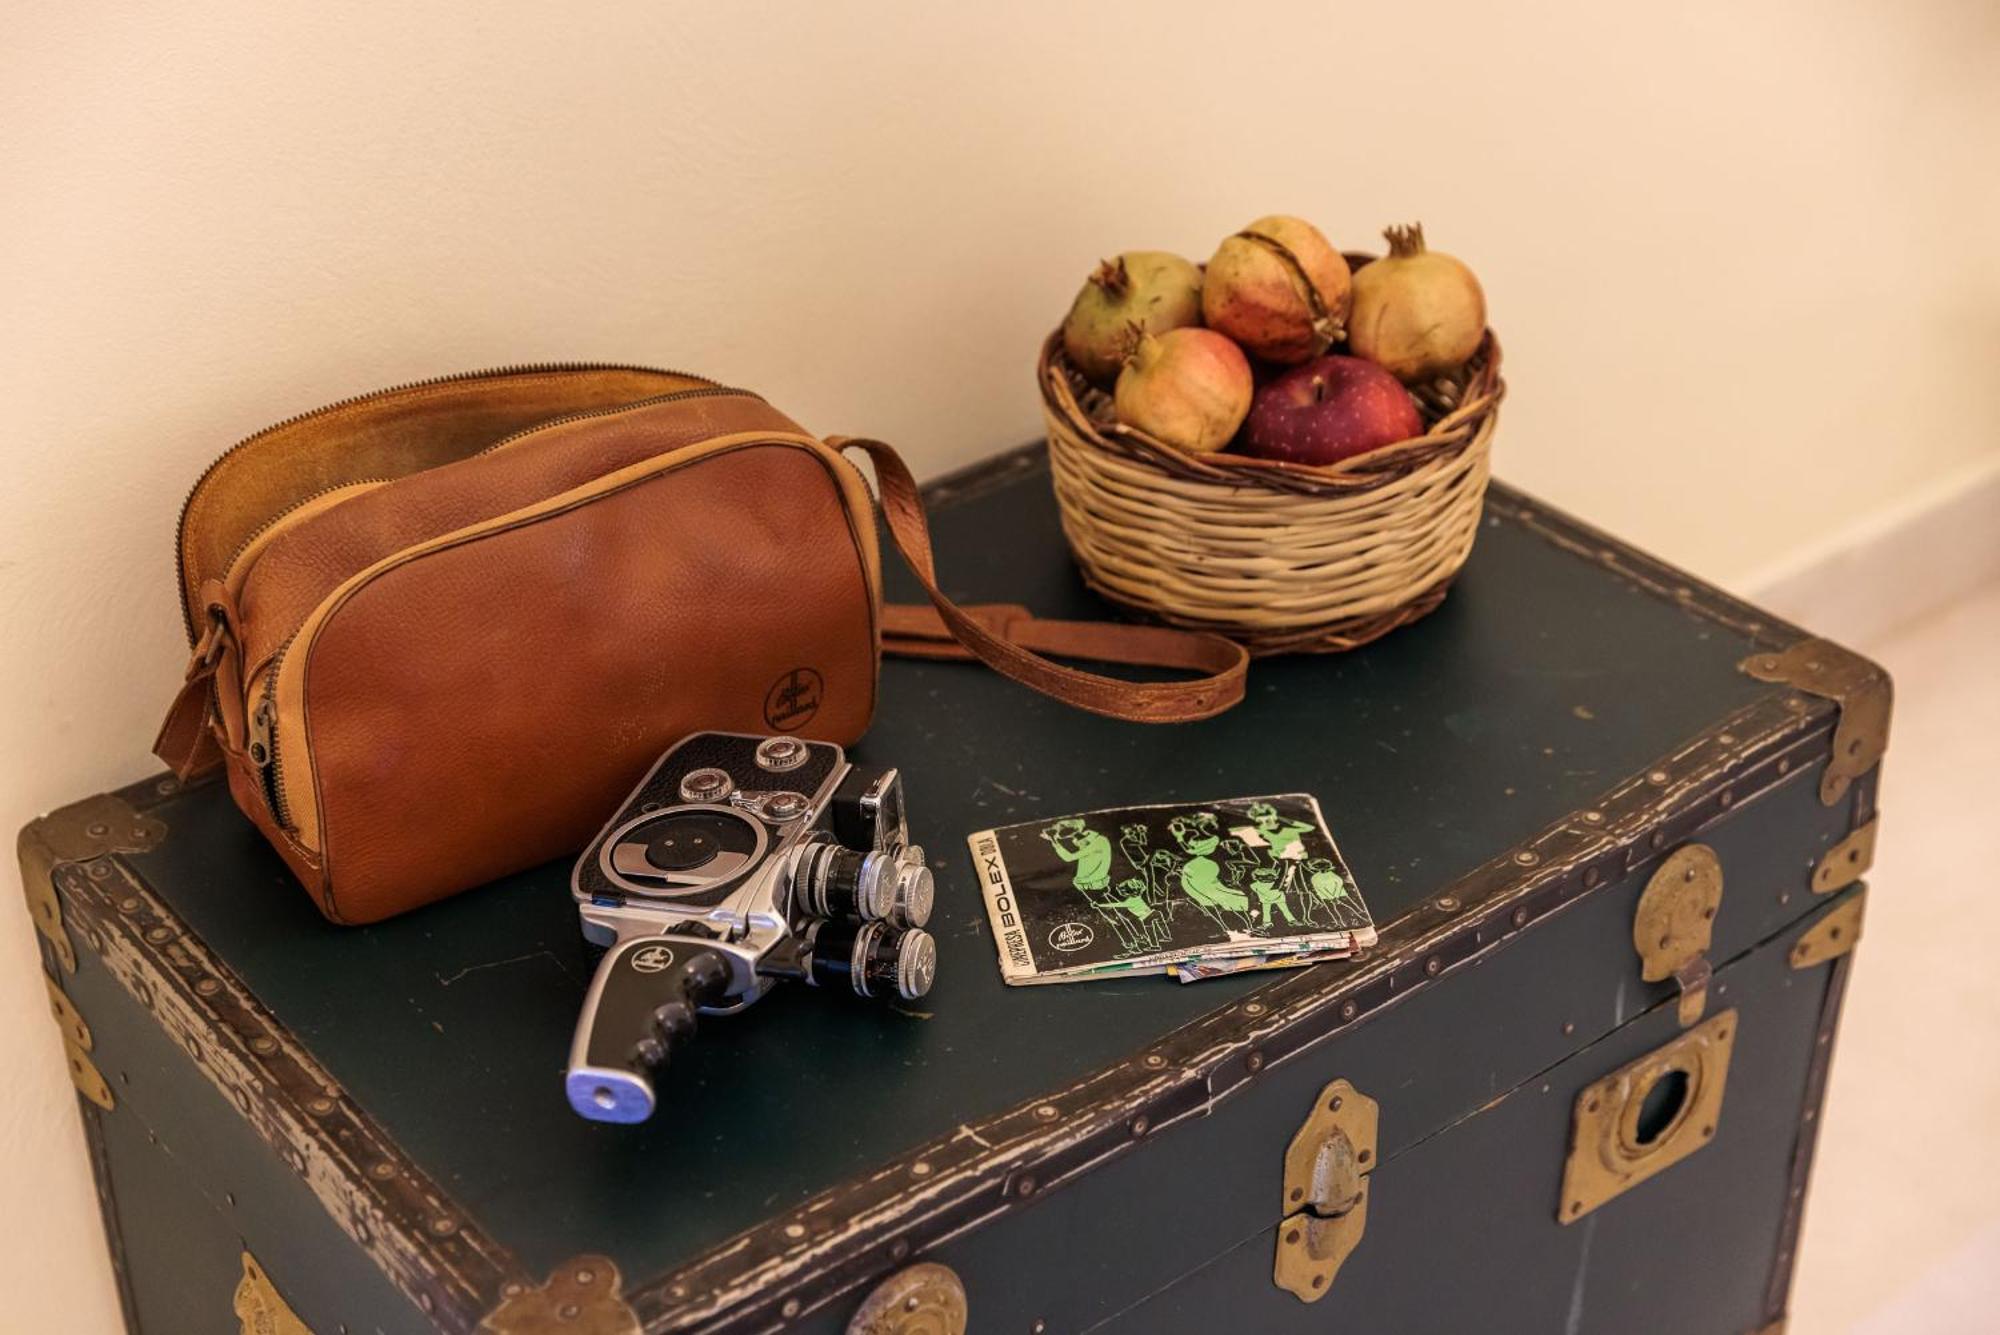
[1151,291]
[1279,288]
[1418,313]
[1188,388]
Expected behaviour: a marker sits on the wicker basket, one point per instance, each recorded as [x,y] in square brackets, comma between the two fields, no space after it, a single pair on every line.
[1284,558]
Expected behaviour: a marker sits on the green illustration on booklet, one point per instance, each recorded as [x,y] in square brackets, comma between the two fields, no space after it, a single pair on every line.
[1195,890]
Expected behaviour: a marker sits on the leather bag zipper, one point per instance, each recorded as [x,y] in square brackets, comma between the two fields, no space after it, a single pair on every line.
[495,372]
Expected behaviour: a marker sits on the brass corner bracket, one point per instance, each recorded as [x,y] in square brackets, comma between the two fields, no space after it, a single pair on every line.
[1326,1191]
[79,832]
[1646,1116]
[1862,691]
[77,1045]
[259,1306]
[582,1297]
[1847,861]
[1675,923]
[1833,935]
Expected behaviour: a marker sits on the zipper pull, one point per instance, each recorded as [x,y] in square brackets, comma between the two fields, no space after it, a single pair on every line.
[261,724]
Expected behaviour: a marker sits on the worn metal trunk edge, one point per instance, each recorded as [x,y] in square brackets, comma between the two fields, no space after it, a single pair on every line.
[78,884]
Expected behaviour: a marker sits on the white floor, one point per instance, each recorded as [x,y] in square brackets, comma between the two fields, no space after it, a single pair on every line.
[1902,1231]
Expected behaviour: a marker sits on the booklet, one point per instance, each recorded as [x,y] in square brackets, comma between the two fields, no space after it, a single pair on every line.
[1196,889]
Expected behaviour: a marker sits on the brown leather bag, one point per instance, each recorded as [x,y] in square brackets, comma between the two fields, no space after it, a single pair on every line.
[439,630]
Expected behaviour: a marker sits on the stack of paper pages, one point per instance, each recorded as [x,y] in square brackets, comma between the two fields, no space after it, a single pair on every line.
[1192,889]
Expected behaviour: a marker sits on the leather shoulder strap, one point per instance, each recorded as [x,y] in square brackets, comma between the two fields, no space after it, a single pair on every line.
[1013,643]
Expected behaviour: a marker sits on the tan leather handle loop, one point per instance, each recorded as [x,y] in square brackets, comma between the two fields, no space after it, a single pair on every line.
[1012,642]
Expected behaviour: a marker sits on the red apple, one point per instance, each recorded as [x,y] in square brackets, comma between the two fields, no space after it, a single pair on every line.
[1328,410]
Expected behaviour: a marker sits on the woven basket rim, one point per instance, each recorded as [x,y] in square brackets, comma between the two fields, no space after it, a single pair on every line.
[1451,433]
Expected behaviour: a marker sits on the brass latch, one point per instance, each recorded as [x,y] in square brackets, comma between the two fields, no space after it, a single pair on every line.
[1675,921]
[1646,1116]
[924,1299]
[1326,1191]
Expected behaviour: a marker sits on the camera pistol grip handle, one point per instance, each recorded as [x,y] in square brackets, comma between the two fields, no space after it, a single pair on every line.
[641,1006]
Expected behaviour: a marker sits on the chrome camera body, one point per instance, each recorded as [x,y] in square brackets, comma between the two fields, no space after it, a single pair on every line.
[737,862]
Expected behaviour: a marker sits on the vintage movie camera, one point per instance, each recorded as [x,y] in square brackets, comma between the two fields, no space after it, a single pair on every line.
[739,861]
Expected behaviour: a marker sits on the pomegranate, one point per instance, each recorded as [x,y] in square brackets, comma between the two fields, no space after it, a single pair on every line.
[1328,410]
[1418,313]
[1279,288]
[1188,388]
[1150,289]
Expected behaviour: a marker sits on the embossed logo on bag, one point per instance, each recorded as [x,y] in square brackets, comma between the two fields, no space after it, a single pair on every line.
[793,699]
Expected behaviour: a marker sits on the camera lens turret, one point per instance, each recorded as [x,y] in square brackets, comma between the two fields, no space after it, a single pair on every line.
[837,882]
[873,959]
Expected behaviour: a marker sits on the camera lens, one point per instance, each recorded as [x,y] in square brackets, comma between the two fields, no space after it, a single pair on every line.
[874,959]
[836,882]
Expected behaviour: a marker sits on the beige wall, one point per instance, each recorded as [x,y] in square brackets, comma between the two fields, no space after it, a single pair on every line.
[1743,258]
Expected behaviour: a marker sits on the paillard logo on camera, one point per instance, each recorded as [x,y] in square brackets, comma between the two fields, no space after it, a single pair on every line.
[793,699]
[652,959]
[1071,936]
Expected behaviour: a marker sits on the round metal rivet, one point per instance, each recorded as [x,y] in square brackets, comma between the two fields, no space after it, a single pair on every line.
[158,934]
[264,1045]
[1433,966]
[1155,1061]
[795,1230]
[1520,918]
[1447,903]
[1255,1061]
[321,1106]
[899,1249]
[1254,1008]
[444,1228]
[921,1168]
[1047,1112]
[1527,857]
[1349,1009]
[1025,1185]
[1591,877]
[1593,818]
[1728,798]
[130,904]
[1658,776]
[97,829]
[1140,1126]
[383,1171]
[208,987]
[790,1309]
[100,871]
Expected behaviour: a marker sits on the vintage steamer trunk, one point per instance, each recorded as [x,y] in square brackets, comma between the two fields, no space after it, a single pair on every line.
[1612,822]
